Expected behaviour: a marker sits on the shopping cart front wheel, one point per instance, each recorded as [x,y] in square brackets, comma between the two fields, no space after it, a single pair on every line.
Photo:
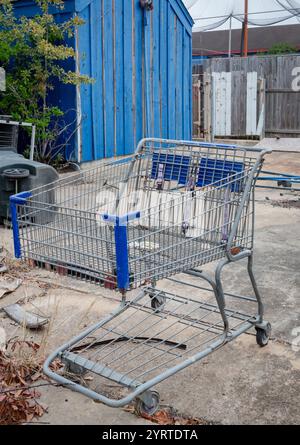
[263,335]
[148,405]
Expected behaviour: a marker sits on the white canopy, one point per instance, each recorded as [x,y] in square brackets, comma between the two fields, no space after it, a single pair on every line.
[216,14]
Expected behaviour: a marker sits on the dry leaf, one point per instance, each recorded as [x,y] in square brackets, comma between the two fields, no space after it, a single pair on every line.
[169,417]
[19,405]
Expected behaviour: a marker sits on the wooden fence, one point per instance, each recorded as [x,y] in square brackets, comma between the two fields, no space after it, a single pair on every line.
[251,96]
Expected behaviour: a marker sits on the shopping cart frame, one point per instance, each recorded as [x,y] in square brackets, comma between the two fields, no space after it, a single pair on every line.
[147,399]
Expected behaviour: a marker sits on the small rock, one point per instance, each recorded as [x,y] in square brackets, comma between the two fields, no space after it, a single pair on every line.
[3,268]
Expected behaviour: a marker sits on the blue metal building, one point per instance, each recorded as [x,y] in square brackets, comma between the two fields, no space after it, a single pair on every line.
[141,60]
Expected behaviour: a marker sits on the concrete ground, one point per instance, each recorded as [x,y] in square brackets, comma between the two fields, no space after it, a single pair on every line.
[240,383]
[281,144]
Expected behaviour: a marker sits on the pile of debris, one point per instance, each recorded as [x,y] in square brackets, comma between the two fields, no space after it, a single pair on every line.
[20,361]
[20,368]
[169,416]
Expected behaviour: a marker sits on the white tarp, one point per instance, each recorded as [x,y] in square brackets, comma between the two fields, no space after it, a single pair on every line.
[216,14]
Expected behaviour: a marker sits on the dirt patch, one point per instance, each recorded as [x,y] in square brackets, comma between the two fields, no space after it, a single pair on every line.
[20,368]
[287,204]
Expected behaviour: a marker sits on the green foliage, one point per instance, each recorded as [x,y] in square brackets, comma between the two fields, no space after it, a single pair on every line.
[282,48]
[32,51]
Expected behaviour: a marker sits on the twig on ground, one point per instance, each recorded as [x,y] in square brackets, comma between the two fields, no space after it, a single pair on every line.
[21,388]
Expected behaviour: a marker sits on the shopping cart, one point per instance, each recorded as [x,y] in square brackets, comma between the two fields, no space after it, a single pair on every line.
[159,215]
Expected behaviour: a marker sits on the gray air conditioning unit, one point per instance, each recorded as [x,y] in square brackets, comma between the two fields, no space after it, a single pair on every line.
[18,174]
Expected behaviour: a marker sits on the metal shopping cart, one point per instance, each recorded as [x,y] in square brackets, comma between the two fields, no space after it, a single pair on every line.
[159,215]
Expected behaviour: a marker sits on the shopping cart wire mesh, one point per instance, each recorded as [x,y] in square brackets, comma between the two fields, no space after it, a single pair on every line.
[170,209]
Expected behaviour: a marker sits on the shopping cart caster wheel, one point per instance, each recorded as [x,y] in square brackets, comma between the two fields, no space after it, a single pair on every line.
[142,408]
[285,184]
[76,370]
[158,302]
[263,335]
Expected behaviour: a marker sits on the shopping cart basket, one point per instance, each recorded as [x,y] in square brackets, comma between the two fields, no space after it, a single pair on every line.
[161,214]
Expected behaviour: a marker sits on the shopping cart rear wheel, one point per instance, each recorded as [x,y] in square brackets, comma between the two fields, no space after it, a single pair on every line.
[141,408]
[263,335]
[158,302]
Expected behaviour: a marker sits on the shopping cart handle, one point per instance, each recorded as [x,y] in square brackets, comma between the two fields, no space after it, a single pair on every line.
[214,145]
[121,220]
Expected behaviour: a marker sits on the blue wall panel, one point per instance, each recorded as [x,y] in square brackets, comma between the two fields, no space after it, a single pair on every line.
[84,35]
[139,70]
[97,73]
[108,66]
[156,74]
[171,72]
[145,85]
[119,78]
[141,63]
[128,73]
[163,69]
[179,79]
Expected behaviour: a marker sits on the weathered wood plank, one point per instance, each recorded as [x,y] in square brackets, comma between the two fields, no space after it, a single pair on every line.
[251,114]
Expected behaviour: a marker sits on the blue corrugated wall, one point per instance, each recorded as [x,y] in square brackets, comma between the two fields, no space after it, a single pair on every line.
[141,62]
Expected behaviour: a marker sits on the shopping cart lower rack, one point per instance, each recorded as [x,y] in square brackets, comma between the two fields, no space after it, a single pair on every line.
[160,215]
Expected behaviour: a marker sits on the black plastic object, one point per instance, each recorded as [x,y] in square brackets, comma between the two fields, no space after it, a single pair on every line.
[18,174]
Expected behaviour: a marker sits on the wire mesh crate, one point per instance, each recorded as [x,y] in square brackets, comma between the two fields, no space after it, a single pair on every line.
[171,208]
[8,134]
